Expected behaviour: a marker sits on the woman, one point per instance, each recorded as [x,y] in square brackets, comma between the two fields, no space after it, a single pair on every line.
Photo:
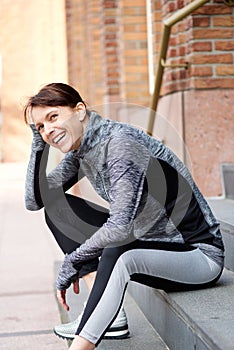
[159,229]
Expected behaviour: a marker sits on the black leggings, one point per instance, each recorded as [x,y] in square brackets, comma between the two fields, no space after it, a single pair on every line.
[169,266]
[88,213]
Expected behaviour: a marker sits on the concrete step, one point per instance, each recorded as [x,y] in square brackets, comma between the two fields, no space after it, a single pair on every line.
[142,334]
[227,171]
[201,320]
[224,211]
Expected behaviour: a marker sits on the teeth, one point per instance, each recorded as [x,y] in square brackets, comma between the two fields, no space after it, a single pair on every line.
[58,138]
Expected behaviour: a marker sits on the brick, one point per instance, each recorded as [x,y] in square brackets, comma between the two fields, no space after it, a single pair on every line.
[157,6]
[136,69]
[224,45]
[112,74]
[113,91]
[203,59]
[188,49]
[212,33]
[172,53]
[109,4]
[172,41]
[134,36]
[134,3]
[110,12]
[143,44]
[110,29]
[225,70]
[158,26]
[223,21]
[181,39]
[111,44]
[128,11]
[218,83]
[170,7]
[214,10]
[108,20]
[130,27]
[142,28]
[188,36]
[143,61]
[201,21]
[201,46]
[111,58]
[157,16]
[130,45]
[131,60]
[174,30]
[139,53]
[181,50]
[180,4]
[181,26]
[200,71]
[134,19]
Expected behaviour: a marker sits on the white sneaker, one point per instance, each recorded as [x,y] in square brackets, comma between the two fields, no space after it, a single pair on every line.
[118,329]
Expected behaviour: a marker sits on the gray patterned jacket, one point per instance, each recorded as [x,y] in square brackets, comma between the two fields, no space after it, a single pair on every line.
[151,193]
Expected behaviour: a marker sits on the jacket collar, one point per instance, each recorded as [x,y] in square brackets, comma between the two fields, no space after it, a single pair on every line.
[92,135]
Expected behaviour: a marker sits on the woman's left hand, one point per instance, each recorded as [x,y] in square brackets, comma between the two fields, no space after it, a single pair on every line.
[61,295]
[67,274]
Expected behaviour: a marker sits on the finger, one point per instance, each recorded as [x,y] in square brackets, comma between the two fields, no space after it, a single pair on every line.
[61,295]
[76,287]
[29,115]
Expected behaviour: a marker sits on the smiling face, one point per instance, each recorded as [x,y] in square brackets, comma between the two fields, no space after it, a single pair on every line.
[61,127]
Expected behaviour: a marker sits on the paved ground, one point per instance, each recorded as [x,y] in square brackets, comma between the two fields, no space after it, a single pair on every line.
[28,307]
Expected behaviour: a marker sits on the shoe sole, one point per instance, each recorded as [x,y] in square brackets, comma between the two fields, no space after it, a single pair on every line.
[117,333]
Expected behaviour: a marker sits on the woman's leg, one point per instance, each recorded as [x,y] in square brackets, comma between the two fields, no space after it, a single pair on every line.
[72,220]
[145,262]
[80,343]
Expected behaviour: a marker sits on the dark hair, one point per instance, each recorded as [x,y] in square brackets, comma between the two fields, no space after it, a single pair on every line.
[55,94]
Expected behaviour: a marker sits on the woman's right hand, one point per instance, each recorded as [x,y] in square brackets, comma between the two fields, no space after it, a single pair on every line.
[38,143]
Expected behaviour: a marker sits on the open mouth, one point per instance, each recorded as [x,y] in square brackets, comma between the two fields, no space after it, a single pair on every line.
[58,138]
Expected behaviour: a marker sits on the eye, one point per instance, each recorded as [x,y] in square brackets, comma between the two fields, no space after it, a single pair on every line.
[53,116]
[40,128]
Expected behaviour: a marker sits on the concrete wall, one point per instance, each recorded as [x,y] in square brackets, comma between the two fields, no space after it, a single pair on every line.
[33,50]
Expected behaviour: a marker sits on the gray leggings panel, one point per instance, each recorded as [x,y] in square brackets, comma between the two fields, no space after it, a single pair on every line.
[188,267]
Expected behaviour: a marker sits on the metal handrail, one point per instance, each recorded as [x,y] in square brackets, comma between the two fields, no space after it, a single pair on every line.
[167,25]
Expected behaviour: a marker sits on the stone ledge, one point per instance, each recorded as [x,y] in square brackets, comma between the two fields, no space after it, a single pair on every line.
[224,211]
[201,319]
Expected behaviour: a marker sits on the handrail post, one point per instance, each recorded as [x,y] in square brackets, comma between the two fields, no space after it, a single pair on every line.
[167,25]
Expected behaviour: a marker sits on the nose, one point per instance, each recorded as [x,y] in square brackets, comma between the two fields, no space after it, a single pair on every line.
[48,128]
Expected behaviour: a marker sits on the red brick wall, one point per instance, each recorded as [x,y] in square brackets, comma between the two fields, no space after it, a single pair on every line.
[134,52]
[204,91]
[205,39]
[107,50]
[84,38]
[111,46]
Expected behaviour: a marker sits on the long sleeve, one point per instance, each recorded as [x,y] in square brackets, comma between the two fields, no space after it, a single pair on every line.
[40,187]
[127,162]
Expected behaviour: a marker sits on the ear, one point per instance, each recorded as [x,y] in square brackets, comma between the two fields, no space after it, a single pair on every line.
[81,109]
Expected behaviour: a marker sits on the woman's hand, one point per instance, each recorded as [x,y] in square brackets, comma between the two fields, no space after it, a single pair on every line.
[61,295]
[67,274]
[38,143]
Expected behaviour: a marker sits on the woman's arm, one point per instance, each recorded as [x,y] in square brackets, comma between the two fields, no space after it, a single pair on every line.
[40,187]
[127,162]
